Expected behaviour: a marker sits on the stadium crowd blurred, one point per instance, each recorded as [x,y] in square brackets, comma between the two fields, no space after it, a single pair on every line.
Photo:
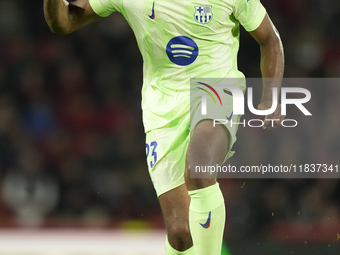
[71,136]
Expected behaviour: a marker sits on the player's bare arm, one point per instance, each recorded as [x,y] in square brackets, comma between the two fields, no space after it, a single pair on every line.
[272,66]
[65,18]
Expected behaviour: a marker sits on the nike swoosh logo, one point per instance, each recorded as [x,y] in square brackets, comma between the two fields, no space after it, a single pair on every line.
[231,115]
[152,16]
[207,224]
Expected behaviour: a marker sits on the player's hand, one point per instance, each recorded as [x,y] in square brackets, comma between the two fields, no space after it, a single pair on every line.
[273,120]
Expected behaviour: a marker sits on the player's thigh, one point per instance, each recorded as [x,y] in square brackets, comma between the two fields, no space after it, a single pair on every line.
[208,147]
[209,143]
[212,134]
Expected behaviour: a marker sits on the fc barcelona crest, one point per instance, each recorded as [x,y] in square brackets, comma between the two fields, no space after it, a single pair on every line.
[203,14]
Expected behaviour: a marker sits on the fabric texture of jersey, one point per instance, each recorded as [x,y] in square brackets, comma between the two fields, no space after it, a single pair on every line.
[180,40]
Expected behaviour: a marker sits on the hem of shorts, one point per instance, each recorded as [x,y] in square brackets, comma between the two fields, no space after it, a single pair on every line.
[174,185]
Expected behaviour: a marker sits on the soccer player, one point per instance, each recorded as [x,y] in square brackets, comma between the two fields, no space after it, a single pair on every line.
[180,40]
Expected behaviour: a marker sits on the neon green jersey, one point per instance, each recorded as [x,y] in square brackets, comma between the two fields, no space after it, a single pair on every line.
[180,40]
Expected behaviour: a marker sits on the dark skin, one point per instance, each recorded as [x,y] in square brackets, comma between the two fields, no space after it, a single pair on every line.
[63,19]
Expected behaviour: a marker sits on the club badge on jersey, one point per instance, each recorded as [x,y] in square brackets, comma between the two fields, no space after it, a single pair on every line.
[203,13]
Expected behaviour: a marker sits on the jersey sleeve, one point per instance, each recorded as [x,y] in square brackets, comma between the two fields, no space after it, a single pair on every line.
[250,13]
[105,7]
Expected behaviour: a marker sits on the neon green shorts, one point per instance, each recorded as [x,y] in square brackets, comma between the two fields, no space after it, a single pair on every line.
[166,147]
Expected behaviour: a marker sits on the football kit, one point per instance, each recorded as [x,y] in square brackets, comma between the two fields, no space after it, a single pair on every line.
[180,41]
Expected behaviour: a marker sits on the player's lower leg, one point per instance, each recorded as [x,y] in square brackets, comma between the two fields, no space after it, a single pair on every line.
[175,207]
[208,147]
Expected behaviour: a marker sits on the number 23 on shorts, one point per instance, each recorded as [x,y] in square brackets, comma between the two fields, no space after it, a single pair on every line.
[152,147]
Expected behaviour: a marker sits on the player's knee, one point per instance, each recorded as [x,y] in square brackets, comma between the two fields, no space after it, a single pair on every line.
[200,183]
[179,237]
[180,233]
